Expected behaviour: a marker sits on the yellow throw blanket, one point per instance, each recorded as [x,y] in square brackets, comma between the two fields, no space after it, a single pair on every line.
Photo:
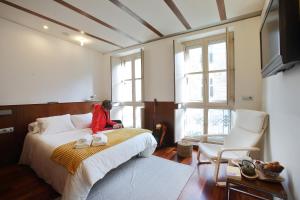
[71,158]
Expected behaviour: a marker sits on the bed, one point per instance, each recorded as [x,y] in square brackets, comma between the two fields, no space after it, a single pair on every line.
[38,149]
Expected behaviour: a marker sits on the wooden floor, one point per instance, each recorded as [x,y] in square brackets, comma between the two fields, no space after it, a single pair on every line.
[200,185]
[20,182]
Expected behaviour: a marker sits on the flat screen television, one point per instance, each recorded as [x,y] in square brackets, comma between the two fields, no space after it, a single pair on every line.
[279,37]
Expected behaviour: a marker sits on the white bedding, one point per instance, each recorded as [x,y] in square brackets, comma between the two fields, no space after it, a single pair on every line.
[38,149]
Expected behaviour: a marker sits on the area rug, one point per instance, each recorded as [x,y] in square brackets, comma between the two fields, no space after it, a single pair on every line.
[150,178]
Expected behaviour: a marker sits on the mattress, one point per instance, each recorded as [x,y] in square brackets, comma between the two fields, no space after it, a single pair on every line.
[38,149]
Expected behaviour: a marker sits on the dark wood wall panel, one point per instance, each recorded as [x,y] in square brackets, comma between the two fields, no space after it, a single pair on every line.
[8,150]
[11,143]
[165,114]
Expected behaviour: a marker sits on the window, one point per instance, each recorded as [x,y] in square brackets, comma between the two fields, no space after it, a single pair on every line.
[127,95]
[204,85]
[217,72]
[194,122]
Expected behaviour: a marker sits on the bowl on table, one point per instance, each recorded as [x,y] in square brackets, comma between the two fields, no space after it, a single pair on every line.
[269,169]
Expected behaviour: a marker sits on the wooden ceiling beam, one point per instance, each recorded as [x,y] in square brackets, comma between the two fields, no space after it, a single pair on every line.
[135,16]
[222,10]
[57,22]
[81,12]
[178,14]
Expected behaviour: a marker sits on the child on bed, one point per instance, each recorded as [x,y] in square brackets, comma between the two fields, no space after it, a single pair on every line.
[101,118]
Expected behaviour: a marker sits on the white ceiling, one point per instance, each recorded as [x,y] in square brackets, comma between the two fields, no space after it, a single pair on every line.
[200,12]
[240,7]
[126,30]
[157,13]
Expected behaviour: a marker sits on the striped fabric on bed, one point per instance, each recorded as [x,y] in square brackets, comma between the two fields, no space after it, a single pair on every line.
[71,158]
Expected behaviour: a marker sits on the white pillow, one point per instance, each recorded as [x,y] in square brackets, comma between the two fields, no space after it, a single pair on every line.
[34,127]
[82,121]
[55,124]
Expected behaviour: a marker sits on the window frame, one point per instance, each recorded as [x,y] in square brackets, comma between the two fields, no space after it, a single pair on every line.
[205,104]
[186,57]
[133,103]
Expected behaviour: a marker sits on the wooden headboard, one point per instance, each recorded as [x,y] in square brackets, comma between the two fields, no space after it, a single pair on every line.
[19,116]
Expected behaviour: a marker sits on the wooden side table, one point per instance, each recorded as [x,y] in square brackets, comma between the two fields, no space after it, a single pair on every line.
[254,188]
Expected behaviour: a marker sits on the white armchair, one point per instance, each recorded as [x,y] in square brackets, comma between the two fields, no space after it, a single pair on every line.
[248,129]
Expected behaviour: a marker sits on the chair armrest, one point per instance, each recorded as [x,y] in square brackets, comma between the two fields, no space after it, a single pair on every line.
[240,149]
[236,149]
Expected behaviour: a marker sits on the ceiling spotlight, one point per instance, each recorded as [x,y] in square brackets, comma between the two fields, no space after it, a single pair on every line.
[81,43]
[45,27]
[82,32]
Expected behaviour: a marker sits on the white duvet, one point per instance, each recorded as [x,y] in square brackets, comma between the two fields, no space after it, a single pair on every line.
[38,148]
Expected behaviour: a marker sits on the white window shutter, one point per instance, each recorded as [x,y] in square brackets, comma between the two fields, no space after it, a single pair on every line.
[179,124]
[180,82]
[143,82]
[142,117]
[116,80]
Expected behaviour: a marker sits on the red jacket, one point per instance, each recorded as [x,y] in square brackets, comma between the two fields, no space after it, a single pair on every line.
[101,119]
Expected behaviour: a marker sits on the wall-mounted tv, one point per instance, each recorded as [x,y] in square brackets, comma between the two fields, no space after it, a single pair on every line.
[280,37]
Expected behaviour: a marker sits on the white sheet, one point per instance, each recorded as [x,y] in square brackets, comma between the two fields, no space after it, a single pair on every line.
[38,149]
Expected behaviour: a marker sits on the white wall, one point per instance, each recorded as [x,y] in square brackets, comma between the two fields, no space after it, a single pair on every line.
[105,78]
[159,66]
[38,68]
[281,97]
[247,63]
[159,71]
